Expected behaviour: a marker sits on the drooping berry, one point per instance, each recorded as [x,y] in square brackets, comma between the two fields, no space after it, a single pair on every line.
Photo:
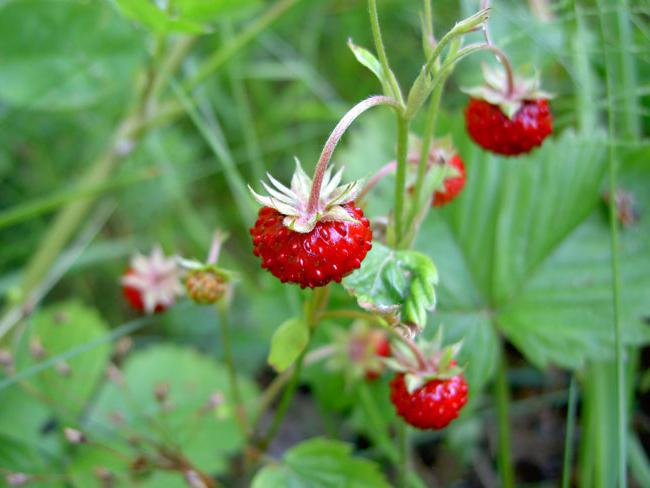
[431,406]
[311,247]
[453,185]
[152,283]
[508,116]
[493,130]
[330,251]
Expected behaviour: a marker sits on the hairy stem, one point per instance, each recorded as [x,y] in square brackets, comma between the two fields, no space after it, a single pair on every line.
[333,140]
[400,177]
[613,164]
[272,391]
[240,410]
[502,396]
[428,39]
[396,92]
[313,311]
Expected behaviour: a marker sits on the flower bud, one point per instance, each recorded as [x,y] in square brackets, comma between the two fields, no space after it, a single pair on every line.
[206,286]
[74,436]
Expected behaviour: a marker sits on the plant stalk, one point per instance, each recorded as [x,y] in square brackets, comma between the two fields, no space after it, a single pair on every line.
[381,52]
[400,177]
[502,397]
[570,431]
[613,164]
[333,140]
[240,410]
[313,310]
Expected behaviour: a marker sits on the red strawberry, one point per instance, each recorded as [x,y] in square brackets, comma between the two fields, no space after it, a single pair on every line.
[508,115]
[382,349]
[152,283]
[330,251]
[431,406]
[312,233]
[133,295]
[453,185]
[493,130]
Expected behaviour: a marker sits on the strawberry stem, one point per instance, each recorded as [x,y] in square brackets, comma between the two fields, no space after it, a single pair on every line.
[215,248]
[507,66]
[333,140]
[419,357]
[500,55]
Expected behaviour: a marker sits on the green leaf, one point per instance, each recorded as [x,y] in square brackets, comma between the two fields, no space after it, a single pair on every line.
[399,284]
[321,463]
[17,456]
[64,55]
[288,342]
[207,435]
[58,329]
[150,15]
[369,60]
[526,251]
[419,92]
[187,16]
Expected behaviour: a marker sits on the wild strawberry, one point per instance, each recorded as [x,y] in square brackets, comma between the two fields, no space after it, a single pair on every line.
[453,185]
[429,389]
[311,248]
[152,283]
[207,285]
[431,406]
[381,350]
[508,117]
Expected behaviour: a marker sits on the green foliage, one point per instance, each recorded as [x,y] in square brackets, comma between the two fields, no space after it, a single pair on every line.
[527,250]
[188,16]
[289,340]
[397,284]
[320,463]
[206,433]
[68,384]
[64,55]
[369,60]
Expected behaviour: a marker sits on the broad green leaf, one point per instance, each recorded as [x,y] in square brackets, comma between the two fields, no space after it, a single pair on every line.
[65,54]
[399,284]
[320,463]
[68,385]
[288,342]
[207,436]
[369,60]
[526,249]
[17,456]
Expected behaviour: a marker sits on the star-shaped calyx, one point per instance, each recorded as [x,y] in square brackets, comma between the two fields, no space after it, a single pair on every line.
[153,282]
[424,361]
[508,94]
[294,202]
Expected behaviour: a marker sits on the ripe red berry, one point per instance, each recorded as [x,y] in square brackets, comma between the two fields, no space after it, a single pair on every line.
[432,406]
[134,296]
[330,251]
[491,129]
[453,185]
[382,349]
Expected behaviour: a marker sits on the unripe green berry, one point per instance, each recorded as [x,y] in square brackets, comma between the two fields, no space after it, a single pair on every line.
[205,286]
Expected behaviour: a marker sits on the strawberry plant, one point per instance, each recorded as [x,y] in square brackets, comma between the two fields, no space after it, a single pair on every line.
[448,287]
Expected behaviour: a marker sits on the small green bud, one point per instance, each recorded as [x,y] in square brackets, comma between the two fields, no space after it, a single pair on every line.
[206,285]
